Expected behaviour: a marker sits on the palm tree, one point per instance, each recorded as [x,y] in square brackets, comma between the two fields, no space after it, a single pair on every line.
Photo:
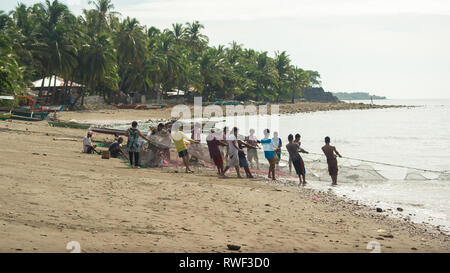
[178,32]
[103,14]
[282,63]
[130,42]
[314,77]
[11,80]
[298,80]
[195,39]
[98,62]
[55,48]
[212,66]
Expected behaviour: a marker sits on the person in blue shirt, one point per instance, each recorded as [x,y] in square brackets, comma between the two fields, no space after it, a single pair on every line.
[267,144]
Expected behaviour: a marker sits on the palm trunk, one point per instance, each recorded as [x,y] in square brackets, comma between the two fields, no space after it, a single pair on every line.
[64,93]
[42,86]
[54,90]
[48,89]
[82,96]
[158,95]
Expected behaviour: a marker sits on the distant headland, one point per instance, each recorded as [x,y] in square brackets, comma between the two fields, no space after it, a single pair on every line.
[357,96]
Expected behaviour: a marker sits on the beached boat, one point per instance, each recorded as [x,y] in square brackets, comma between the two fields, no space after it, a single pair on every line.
[69,125]
[130,106]
[49,109]
[152,107]
[29,114]
[231,102]
[5,116]
[108,131]
[25,118]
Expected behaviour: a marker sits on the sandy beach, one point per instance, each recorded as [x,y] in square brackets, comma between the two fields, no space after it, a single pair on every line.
[52,194]
[99,116]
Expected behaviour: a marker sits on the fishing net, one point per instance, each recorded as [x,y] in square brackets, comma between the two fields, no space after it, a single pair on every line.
[161,152]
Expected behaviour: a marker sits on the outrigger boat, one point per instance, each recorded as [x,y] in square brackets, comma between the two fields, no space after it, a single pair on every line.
[33,110]
[22,114]
[5,116]
[25,118]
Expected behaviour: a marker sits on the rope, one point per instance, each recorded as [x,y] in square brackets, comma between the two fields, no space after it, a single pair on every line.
[393,165]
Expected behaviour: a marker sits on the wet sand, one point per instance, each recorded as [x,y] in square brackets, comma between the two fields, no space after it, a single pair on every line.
[51,194]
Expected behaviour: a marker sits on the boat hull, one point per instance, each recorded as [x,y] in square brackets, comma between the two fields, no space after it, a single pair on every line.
[5,116]
[40,115]
[16,117]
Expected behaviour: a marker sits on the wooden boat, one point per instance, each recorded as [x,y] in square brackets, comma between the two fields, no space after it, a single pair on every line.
[16,117]
[109,131]
[156,106]
[130,106]
[69,125]
[49,109]
[29,114]
[5,116]
[232,102]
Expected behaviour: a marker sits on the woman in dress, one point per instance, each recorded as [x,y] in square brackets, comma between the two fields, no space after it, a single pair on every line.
[133,146]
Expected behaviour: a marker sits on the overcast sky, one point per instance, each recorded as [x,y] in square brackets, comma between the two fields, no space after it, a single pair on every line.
[395,48]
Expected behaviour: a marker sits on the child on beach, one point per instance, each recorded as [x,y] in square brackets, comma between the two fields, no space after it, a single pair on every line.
[294,149]
[133,144]
[179,139]
[214,152]
[267,145]
[252,153]
[331,152]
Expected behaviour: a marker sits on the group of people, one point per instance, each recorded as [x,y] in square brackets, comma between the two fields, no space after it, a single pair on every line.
[226,149]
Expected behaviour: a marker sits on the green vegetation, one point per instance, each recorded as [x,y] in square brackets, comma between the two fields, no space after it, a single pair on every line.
[106,54]
[357,96]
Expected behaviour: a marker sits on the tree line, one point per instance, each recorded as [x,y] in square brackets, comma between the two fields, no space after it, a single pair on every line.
[107,53]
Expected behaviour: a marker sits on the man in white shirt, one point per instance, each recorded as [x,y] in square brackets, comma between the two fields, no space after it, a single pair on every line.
[88,148]
[232,152]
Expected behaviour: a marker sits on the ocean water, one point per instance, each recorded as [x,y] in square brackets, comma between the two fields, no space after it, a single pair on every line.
[413,137]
